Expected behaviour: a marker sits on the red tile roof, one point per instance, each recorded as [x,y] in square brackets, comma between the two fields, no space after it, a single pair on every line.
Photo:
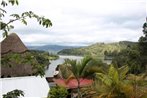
[72,83]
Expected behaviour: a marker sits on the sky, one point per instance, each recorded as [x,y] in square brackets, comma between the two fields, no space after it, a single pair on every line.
[80,22]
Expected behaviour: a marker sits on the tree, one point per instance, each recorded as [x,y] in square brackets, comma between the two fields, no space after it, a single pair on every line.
[7,26]
[143,45]
[77,69]
[145,28]
[131,57]
[135,57]
[112,84]
[84,69]
[37,59]
[14,94]
[117,83]
[57,92]
[143,40]
[139,85]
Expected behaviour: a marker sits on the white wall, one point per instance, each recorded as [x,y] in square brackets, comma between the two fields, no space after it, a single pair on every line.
[32,86]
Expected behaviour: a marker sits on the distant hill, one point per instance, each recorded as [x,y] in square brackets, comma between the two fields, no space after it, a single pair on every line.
[98,49]
[51,48]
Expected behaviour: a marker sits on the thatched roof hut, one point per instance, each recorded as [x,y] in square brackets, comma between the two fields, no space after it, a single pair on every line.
[12,44]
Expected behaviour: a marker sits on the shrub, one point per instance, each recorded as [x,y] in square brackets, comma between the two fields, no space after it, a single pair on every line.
[58,92]
[14,94]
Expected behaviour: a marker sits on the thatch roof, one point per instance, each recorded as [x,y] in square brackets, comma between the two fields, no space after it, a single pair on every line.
[16,64]
[12,44]
[16,70]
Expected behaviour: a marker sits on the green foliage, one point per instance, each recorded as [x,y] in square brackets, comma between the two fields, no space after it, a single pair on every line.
[53,56]
[14,94]
[82,69]
[134,56]
[98,50]
[71,52]
[5,3]
[58,92]
[77,69]
[95,65]
[37,59]
[117,83]
[113,84]
[6,26]
[143,44]
[65,72]
[145,28]
[139,84]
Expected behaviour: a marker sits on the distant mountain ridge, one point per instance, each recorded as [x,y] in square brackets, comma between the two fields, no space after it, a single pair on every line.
[51,48]
[98,49]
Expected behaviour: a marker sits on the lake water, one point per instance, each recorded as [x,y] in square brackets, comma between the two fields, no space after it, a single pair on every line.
[53,64]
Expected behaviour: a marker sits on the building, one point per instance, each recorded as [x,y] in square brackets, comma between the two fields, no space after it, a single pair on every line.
[32,86]
[19,75]
[12,48]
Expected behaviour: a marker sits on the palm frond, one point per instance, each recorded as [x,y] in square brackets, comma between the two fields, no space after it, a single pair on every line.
[104,78]
[69,78]
[113,73]
[123,71]
[73,68]
[84,62]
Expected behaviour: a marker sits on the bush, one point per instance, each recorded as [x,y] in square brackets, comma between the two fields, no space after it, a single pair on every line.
[14,94]
[58,92]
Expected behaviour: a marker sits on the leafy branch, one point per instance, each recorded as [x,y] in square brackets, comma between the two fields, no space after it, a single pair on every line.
[4,4]
[14,94]
[6,27]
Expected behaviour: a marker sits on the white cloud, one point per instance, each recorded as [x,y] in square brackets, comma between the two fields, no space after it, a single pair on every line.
[77,22]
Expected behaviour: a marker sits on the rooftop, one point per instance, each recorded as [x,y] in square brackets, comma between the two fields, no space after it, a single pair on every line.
[32,86]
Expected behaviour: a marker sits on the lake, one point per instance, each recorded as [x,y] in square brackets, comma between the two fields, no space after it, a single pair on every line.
[53,64]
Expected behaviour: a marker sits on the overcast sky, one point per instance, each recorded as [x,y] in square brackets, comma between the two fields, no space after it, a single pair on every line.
[81,22]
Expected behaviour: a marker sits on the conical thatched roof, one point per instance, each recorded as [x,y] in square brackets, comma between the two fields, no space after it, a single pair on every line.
[12,44]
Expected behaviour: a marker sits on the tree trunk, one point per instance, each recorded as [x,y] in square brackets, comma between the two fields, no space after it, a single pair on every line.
[78,89]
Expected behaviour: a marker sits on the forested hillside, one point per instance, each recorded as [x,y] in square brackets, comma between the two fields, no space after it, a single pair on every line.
[98,49]
[51,48]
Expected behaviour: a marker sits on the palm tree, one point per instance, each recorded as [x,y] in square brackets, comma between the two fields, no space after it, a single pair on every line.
[139,83]
[78,70]
[116,83]
[81,70]
[113,83]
